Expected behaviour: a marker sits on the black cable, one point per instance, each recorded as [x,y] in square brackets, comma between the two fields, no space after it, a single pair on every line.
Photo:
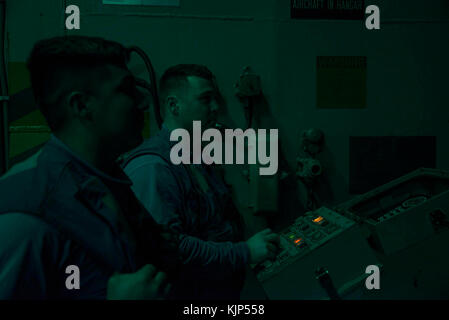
[152,86]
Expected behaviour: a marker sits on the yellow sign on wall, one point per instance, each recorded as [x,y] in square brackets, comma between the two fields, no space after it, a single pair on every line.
[341,82]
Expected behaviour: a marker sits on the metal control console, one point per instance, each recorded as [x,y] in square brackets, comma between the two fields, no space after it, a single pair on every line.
[322,238]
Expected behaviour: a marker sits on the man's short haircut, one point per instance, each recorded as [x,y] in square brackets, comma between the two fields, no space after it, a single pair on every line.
[60,65]
[176,77]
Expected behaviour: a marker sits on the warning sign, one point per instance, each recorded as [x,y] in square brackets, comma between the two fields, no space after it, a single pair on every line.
[341,82]
[328,9]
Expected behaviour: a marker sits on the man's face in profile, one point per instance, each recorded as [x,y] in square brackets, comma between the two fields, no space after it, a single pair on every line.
[117,120]
[199,102]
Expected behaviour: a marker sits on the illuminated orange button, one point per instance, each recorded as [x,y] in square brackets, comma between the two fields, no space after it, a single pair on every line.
[318,220]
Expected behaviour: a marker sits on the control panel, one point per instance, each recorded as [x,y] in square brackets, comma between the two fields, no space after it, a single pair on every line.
[306,234]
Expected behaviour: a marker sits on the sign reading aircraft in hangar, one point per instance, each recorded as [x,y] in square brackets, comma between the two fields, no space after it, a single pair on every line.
[328,9]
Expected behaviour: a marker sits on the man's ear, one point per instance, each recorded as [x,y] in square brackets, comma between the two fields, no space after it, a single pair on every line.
[172,104]
[78,105]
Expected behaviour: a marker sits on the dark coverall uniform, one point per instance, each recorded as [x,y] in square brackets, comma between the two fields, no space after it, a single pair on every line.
[56,210]
[211,231]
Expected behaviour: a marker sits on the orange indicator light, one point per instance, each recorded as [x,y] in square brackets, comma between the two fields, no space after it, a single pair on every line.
[297,241]
[318,220]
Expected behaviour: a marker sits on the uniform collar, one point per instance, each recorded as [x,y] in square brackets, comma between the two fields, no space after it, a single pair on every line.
[121,176]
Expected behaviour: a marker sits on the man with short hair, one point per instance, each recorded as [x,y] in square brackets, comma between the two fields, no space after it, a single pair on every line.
[192,199]
[69,208]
